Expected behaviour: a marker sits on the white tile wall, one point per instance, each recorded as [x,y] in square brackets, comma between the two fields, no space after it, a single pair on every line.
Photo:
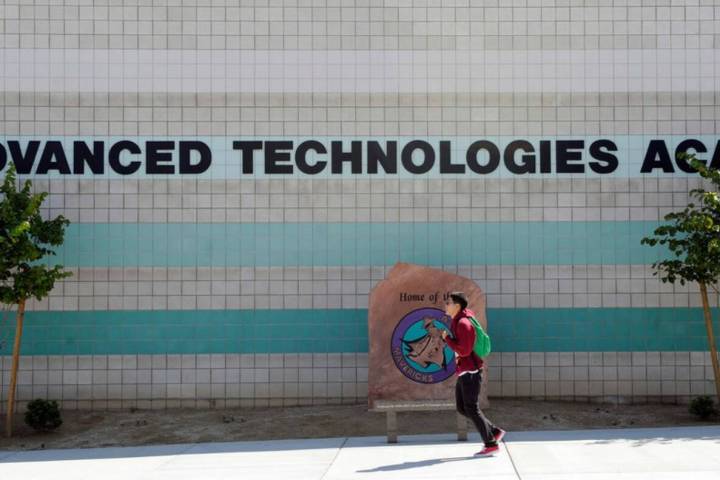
[640,41]
[505,286]
[162,381]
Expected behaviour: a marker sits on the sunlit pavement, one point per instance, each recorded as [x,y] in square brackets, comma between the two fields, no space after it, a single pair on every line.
[660,453]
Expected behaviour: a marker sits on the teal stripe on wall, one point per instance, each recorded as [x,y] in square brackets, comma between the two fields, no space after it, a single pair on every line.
[349,244]
[306,331]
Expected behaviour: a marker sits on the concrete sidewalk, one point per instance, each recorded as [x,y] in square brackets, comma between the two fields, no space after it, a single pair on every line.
[662,453]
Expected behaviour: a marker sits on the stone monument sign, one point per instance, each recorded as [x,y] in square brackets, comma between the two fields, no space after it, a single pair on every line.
[408,359]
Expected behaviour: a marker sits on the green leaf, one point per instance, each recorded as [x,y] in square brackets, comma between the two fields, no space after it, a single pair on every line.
[26,239]
[691,235]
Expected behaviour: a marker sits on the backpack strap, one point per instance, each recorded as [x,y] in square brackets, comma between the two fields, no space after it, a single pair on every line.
[474,355]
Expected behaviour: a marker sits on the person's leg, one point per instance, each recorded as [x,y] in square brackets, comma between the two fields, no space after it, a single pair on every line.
[459,402]
[470,389]
[497,432]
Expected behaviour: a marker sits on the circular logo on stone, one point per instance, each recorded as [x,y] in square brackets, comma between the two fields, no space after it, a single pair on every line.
[418,349]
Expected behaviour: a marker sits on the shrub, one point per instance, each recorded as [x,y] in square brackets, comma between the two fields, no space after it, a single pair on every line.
[702,406]
[43,415]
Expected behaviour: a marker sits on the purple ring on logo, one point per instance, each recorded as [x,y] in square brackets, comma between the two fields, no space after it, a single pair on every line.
[397,353]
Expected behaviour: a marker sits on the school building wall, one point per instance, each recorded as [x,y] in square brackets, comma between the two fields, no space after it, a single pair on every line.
[227,289]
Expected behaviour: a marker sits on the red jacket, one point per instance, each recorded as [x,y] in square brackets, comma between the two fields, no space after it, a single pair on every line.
[462,343]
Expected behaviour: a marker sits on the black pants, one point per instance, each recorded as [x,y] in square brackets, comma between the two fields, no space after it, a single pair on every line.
[467,393]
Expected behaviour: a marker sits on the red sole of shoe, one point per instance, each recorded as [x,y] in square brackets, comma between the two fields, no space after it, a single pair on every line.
[488,454]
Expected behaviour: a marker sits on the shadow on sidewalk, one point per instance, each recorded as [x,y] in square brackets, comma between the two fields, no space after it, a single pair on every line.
[419,464]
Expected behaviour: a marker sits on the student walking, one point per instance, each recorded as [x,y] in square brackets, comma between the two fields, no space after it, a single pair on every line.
[469,371]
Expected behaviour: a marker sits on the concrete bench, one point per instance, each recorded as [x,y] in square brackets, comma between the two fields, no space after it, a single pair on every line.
[391,408]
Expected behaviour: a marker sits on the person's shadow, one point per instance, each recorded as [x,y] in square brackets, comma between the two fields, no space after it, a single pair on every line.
[419,464]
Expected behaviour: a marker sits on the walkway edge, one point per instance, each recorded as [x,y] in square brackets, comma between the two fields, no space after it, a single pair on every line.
[337,454]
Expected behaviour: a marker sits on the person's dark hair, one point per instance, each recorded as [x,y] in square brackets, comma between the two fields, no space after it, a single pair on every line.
[460,299]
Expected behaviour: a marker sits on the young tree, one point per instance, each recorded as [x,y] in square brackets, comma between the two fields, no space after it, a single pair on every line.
[25,239]
[693,238]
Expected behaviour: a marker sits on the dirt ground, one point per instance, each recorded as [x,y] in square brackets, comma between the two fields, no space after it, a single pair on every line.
[145,427]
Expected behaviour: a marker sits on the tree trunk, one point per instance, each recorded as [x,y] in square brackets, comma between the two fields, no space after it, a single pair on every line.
[711,337]
[15,363]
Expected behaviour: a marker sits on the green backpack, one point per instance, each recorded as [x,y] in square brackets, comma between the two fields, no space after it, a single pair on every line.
[482,341]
